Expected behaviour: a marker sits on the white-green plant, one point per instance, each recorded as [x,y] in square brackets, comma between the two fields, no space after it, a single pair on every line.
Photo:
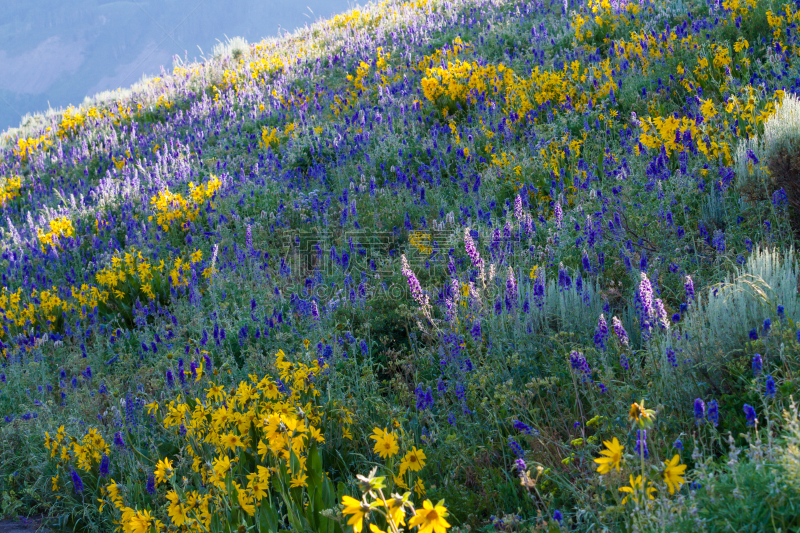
[718,323]
[230,48]
[781,132]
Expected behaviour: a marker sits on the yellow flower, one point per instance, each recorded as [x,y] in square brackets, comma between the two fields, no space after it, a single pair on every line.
[673,474]
[163,470]
[385,443]
[430,518]
[419,488]
[613,456]
[356,508]
[231,441]
[299,480]
[140,522]
[221,466]
[176,510]
[55,482]
[413,460]
[152,408]
[635,488]
[395,508]
[641,416]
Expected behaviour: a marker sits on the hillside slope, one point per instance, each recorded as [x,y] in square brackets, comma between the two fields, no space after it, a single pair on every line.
[532,259]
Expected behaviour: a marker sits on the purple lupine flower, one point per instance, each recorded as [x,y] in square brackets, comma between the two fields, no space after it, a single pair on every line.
[557,516]
[314,310]
[77,482]
[769,387]
[472,250]
[118,442]
[750,414]
[646,301]
[579,363]
[758,364]
[699,410]
[520,465]
[713,413]
[170,379]
[522,427]
[719,240]
[781,312]
[416,289]
[151,484]
[249,238]
[104,466]
[518,212]
[661,313]
[688,285]
[767,325]
[558,214]
[619,330]
[753,334]
[601,333]
[511,285]
[671,358]
[476,330]
[515,447]
[641,443]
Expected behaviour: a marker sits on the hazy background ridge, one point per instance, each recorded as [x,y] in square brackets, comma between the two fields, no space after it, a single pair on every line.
[62,51]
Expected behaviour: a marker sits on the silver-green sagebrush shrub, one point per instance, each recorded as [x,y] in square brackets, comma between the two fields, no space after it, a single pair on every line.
[771,161]
[727,315]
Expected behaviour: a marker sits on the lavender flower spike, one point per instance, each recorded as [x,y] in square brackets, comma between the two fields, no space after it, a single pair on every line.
[511,285]
[472,250]
[622,335]
[416,289]
[688,285]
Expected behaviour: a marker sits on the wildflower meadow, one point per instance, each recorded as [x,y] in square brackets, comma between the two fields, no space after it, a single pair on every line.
[465,265]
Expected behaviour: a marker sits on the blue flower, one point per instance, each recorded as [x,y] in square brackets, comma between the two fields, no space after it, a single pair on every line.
[770,387]
[750,414]
[515,447]
[713,413]
[678,445]
[557,516]
[753,334]
[699,410]
[77,483]
[758,364]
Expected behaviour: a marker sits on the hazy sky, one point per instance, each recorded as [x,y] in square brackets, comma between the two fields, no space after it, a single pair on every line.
[57,52]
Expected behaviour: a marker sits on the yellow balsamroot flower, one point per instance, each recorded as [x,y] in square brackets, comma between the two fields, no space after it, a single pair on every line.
[299,480]
[641,416]
[358,510]
[231,441]
[163,470]
[413,460]
[177,511]
[635,489]
[140,522]
[395,508]
[385,443]
[613,456]
[673,474]
[430,518]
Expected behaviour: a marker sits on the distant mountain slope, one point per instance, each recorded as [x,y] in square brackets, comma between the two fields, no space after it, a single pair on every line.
[56,53]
